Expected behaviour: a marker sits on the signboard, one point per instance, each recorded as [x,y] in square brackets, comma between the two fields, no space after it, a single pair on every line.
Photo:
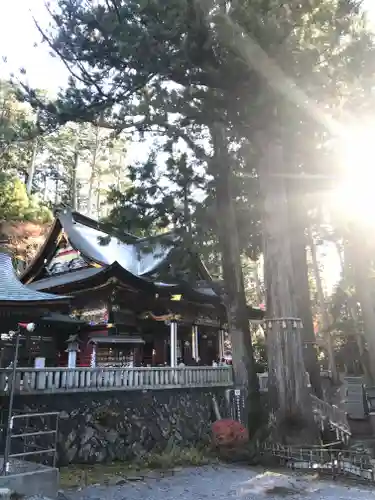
[97,316]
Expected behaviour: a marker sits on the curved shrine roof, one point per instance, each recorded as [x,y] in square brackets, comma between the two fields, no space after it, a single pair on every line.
[13,292]
[140,257]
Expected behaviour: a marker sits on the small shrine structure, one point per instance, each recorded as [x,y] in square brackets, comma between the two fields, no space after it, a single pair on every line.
[20,305]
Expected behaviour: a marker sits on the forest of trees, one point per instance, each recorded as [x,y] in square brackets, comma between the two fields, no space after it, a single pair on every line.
[241,107]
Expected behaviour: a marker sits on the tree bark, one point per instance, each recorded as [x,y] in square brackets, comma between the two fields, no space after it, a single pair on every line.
[93,173]
[360,256]
[98,196]
[287,376]
[325,321]
[57,194]
[258,289]
[242,350]
[360,340]
[347,268]
[74,181]
[297,216]
[31,169]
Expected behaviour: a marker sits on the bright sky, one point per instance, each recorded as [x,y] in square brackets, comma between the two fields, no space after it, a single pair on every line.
[17,37]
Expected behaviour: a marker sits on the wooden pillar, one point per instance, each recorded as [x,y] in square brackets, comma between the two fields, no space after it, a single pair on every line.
[221,343]
[137,355]
[173,344]
[194,343]
[159,346]
[93,356]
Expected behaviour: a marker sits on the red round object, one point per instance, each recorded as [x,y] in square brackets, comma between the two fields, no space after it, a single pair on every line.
[228,432]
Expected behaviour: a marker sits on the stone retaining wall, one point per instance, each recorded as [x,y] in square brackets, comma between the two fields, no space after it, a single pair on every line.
[107,426]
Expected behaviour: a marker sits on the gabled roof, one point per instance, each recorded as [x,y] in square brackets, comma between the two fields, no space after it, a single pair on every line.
[95,277]
[105,246]
[141,257]
[91,277]
[14,293]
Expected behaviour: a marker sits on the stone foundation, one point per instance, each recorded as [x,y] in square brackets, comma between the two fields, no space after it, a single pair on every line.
[108,426]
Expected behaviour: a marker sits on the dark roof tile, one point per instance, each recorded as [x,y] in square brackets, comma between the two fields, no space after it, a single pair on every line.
[12,290]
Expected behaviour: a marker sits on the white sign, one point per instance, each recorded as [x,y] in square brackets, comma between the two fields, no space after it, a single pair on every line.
[40,363]
[72,359]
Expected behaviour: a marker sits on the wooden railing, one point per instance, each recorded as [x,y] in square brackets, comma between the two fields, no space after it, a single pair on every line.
[325,414]
[347,463]
[54,380]
[333,415]
[332,412]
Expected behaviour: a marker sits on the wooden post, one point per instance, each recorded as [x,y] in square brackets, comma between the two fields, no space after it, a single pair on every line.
[173,346]
[221,344]
[194,343]
[93,356]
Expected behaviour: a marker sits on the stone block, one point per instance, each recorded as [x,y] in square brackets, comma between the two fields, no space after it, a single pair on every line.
[101,427]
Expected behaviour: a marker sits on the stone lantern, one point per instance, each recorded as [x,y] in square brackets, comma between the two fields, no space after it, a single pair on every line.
[72,349]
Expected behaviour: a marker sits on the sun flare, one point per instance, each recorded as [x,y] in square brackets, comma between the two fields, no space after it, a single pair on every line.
[355,193]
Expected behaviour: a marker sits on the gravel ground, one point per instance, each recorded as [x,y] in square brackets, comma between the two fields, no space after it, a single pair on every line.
[222,482]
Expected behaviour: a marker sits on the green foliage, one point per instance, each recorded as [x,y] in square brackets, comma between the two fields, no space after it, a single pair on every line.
[13,196]
[176,456]
[260,352]
[16,129]
[161,197]
[100,166]
[167,463]
[49,157]
[15,203]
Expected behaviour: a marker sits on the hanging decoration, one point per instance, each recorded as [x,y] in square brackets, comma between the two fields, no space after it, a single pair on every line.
[284,323]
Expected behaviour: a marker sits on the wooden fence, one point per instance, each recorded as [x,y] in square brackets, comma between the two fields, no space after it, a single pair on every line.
[345,463]
[55,380]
